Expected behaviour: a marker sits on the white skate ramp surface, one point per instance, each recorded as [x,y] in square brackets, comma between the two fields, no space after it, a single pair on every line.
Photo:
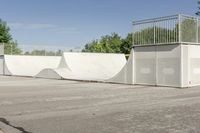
[86,66]
[28,65]
[126,74]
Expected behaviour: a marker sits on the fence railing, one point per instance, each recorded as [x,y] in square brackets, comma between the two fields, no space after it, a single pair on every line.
[167,30]
[40,50]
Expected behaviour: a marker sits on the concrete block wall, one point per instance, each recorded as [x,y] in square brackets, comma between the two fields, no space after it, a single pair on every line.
[1,59]
[158,65]
[175,65]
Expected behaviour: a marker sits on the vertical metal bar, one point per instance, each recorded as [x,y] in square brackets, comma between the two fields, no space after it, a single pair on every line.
[174,30]
[166,31]
[133,39]
[143,33]
[149,33]
[139,33]
[166,27]
[158,32]
[154,28]
[197,34]
[142,27]
[170,30]
[147,36]
[137,37]
[23,51]
[11,49]
[177,35]
[140,37]
[179,29]
[174,33]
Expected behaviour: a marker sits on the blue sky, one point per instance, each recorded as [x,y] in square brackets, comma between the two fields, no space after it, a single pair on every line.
[73,23]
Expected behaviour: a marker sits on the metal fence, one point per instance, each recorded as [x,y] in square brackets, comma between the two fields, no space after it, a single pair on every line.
[167,30]
[39,50]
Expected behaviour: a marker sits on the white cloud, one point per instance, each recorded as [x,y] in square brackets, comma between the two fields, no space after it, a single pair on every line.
[69,30]
[32,26]
[41,26]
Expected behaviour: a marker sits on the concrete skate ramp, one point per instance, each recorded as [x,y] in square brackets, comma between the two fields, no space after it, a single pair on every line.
[126,74]
[86,66]
[18,65]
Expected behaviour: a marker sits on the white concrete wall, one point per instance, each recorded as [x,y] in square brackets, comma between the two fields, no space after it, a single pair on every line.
[185,64]
[1,65]
[1,49]
[86,66]
[194,65]
[158,65]
[20,65]
[126,74]
[1,59]
[168,65]
[153,65]
[91,66]
[145,65]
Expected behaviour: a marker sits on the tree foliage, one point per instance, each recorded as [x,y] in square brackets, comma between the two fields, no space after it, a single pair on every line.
[44,52]
[127,44]
[162,35]
[198,12]
[6,39]
[189,30]
[110,44]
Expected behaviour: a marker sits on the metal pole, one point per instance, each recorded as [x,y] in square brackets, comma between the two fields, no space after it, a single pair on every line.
[179,28]
[11,49]
[154,34]
[133,36]
[197,32]
[45,51]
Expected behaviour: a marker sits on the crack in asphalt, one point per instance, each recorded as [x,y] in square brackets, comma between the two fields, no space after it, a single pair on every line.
[3,120]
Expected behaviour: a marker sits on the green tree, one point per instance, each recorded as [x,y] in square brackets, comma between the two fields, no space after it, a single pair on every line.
[94,46]
[198,12]
[189,30]
[10,46]
[107,44]
[127,44]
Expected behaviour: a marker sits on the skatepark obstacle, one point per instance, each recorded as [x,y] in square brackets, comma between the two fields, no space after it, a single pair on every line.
[165,53]
[86,66]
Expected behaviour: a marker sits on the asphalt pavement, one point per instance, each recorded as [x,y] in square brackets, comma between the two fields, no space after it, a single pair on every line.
[33,105]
